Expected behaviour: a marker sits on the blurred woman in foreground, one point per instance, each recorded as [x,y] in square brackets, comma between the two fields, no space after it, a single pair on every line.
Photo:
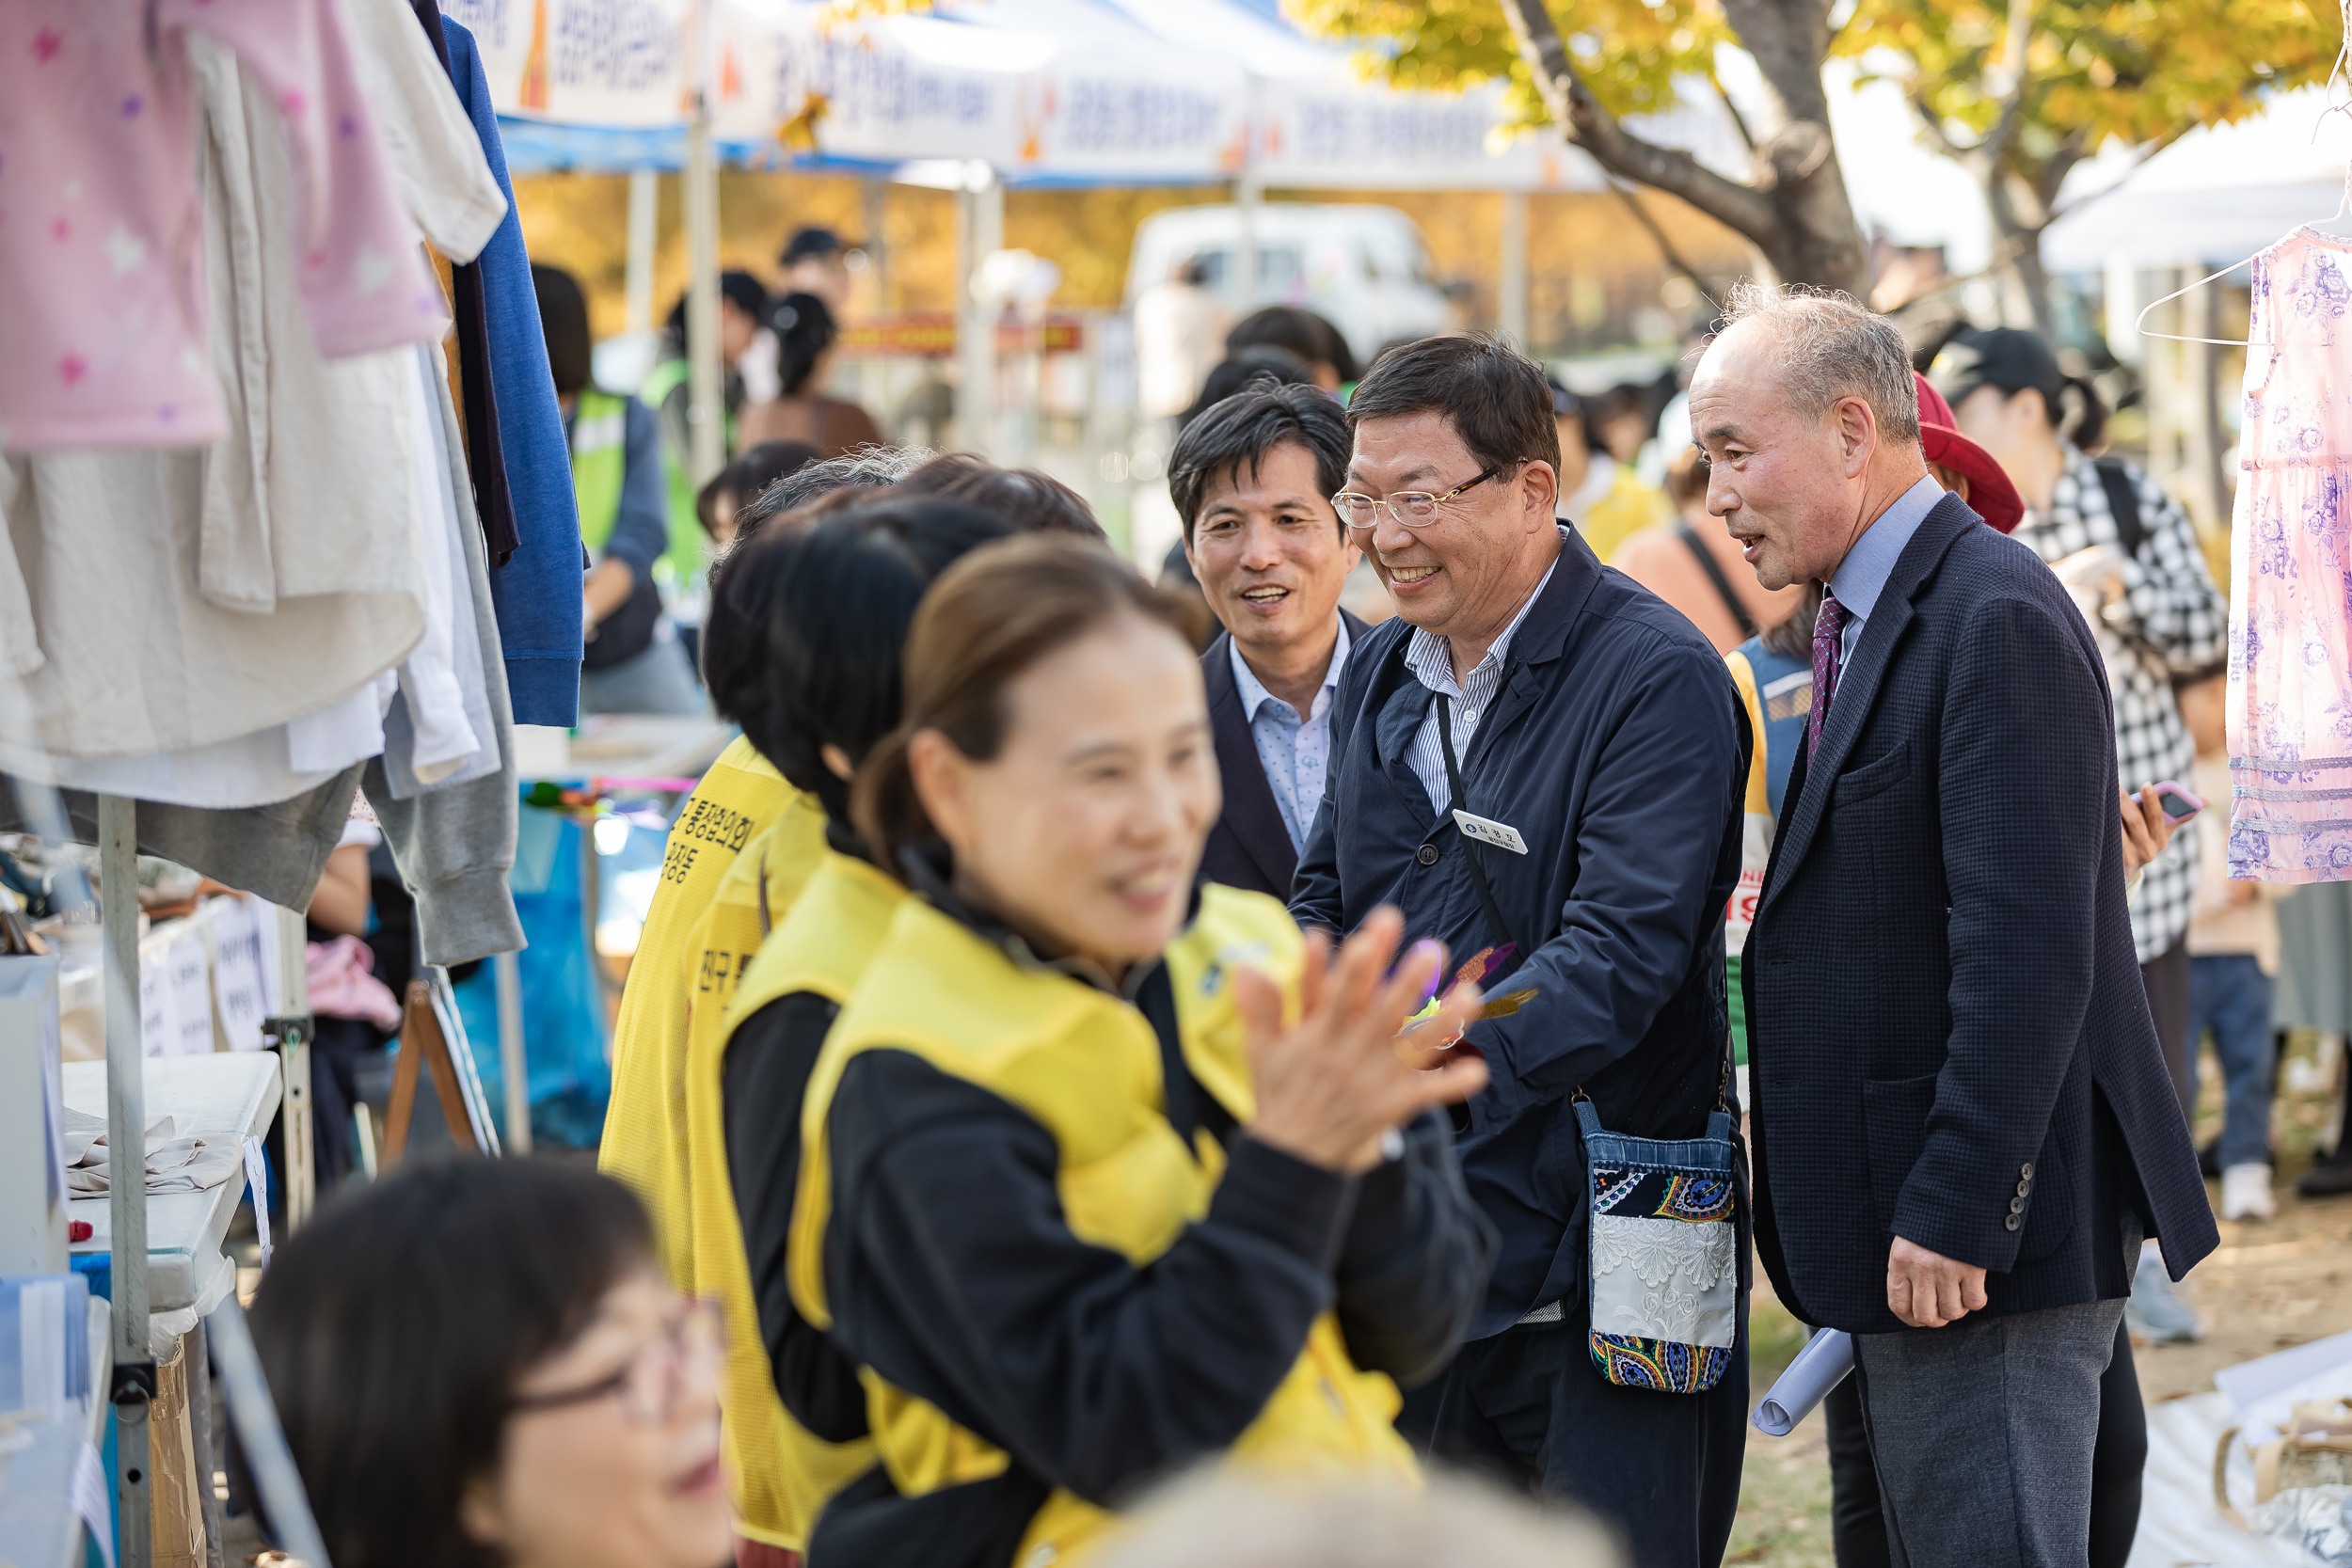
[478,1365]
[1076,1199]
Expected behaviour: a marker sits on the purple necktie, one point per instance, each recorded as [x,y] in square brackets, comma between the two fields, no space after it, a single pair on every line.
[1829,632]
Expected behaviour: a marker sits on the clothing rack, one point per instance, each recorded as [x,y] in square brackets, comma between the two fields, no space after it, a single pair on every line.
[132,1384]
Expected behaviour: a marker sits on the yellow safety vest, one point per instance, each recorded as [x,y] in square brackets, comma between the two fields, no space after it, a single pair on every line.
[1087,1066]
[645,1124]
[779,1475]
[688,555]
[599,462]
[1630,507]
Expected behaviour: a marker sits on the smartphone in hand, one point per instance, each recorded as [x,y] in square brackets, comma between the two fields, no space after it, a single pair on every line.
[2177,803]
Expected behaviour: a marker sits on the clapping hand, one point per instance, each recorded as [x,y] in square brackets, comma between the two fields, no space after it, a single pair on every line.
[1331,1086]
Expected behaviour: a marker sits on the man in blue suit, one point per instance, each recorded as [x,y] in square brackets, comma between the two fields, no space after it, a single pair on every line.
[1592,740]
[1252,478]
[1964,1123]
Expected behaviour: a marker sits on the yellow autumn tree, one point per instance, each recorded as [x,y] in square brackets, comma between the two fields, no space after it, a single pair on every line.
[2018,93]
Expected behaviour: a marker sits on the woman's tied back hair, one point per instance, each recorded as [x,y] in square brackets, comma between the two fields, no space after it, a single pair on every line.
[1832,347]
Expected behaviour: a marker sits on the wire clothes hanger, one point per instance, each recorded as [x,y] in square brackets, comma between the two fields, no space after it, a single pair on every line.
[2343,204]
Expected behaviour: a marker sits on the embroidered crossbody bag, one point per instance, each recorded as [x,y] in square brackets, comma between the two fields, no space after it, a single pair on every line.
[1663,1281]
[1663,1261]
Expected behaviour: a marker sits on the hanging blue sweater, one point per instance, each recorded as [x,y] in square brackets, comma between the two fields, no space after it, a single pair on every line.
[536,593]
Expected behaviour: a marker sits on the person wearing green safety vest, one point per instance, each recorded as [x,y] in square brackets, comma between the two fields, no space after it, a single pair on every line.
[742,311]
[634,661]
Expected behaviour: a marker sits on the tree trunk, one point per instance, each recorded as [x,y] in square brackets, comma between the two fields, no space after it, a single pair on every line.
[2036,282]
[2020,240]
[1796,212]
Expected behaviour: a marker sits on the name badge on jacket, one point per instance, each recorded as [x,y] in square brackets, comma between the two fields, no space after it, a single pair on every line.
[1485,829]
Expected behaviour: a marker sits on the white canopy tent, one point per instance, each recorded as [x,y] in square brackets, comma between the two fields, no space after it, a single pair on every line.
[2216,195]
[975,95]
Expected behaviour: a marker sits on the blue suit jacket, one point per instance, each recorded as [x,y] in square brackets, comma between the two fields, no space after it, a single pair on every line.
[1948,1034]
[1616,745]
[536,593]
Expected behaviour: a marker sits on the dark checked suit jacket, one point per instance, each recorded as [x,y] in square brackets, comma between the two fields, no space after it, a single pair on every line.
[1248,847]
[1948,1040]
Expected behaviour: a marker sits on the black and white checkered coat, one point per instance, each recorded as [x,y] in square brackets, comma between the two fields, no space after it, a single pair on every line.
[2170,619]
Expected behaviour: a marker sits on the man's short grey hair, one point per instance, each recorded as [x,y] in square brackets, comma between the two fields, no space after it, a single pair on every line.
[866,468]
[1832,347]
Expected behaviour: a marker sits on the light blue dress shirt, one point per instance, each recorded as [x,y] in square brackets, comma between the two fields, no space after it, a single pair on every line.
[1294,754]
[1862,576]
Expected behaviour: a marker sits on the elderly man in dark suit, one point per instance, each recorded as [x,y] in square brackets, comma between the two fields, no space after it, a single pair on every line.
[1252,479]
[1964,1123]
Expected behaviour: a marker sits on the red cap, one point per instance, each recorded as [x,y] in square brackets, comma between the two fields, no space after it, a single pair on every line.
[1991,496]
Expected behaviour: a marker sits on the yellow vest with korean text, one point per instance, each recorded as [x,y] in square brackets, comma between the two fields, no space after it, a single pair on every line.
[645,1122]
[1087,1066]
[789,908]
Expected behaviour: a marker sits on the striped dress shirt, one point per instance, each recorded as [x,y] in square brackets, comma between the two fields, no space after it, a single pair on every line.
[1431,661]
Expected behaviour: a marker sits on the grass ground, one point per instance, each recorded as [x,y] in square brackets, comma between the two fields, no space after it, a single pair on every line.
[2270,1286]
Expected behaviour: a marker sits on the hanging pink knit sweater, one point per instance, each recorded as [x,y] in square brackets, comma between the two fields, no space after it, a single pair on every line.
[101,236]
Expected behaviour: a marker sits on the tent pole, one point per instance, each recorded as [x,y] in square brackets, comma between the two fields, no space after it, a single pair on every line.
[645,187]
[876,205]
[979,233]
[133,1385]
[1511,312]
[706,412]
[1247,195]
[1249,192]
[292,1031]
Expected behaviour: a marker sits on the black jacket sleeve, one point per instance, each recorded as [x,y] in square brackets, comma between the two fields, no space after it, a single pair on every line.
[763,1081]
[952,1273]
[1413,1268]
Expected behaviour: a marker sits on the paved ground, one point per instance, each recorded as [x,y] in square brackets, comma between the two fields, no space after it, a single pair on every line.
[2269,1287]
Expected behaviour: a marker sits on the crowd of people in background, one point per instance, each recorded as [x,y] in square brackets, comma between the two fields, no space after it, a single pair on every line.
[651,532]
[1073,1045]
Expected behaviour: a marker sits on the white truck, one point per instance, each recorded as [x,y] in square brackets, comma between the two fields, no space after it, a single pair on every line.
[1363,267]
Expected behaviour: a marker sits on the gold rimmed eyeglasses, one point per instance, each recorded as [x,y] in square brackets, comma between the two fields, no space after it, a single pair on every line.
[1411,508]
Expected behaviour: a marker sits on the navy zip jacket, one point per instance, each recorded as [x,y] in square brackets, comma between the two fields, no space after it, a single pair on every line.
[1618,747]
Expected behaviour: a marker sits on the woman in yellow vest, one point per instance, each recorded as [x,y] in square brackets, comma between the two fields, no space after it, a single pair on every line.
[838,594]
[806,628]
[1103,1172]
[741,802]
[634,661]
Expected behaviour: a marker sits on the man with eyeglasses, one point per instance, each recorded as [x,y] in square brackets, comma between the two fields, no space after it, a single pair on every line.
[1541,764]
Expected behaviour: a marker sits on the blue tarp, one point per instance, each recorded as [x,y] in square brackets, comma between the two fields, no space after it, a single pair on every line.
[564,1032]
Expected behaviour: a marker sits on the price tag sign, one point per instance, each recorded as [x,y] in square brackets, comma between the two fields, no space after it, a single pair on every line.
[239,992]
[190,979]
[159,1028]
[265,918]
